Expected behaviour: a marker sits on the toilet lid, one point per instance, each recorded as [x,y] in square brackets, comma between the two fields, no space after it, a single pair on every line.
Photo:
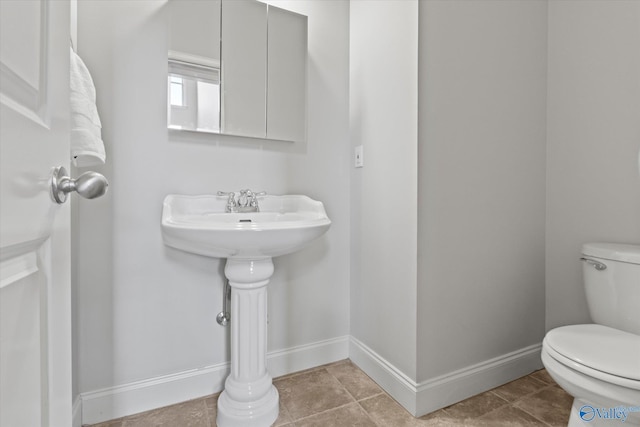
[599,347]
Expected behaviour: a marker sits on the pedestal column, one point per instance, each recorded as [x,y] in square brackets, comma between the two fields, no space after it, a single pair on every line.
[249,398]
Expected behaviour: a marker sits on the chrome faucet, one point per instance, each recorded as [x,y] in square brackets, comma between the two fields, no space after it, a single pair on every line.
[247,201]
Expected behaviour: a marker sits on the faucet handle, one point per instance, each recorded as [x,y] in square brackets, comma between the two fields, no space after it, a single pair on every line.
[253,195]
[231,201]
[230,194]
[253,198]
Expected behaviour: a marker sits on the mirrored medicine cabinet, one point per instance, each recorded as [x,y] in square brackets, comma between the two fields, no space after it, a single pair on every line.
[237,67]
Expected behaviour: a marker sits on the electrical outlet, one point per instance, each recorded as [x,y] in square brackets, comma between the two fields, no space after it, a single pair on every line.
[358,157]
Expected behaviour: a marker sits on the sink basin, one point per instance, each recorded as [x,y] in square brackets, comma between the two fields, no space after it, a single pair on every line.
[200,225]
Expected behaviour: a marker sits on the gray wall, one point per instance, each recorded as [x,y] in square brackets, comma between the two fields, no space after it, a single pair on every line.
[593,186]
[448,211]
[481,181]
[384,228]
[144,310]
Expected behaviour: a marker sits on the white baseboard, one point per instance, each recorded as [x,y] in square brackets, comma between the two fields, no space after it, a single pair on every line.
[402,388]
[418,398]
[76,416]
[119,401]
[425,397]
[447,389]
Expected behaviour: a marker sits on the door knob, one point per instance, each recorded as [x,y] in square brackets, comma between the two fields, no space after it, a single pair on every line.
[88,185]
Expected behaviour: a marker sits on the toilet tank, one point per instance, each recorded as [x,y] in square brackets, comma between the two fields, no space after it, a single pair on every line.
[613,292]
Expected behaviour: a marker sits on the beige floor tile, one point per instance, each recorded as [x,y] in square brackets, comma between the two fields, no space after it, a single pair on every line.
[188,414]
[475,406]
[441,418]
[311,393]
[211,403]
[114,423]
[351,415]
[551,405]
[543,375]
[519,388]
[439,414]
[354,380]
[508,416]
[283,417]
[387,412]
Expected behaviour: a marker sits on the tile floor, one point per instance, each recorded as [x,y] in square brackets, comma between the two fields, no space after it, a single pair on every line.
[341,395]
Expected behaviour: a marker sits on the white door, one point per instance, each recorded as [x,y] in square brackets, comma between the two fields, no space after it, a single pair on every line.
[35,299]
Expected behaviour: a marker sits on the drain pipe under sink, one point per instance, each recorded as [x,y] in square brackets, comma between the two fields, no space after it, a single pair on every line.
[224,317]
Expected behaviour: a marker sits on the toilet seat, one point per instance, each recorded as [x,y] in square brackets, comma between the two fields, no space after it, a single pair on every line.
[598,351]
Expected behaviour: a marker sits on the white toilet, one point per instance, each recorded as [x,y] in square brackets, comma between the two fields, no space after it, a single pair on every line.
[599,364]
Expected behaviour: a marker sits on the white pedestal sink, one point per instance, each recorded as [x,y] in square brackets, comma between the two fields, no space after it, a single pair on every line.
[200,225]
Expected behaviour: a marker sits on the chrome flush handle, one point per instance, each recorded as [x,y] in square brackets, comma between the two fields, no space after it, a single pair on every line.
[88,185]
[596,264]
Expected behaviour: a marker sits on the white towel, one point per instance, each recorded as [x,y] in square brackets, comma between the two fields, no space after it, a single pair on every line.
[87,148]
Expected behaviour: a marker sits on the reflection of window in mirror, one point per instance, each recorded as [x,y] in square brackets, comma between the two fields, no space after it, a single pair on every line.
[194,97]
[176,91]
